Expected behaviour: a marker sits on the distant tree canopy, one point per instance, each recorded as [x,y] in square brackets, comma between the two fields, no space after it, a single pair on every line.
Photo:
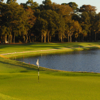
[47,22]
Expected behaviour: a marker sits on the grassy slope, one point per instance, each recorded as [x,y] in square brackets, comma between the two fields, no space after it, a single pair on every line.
[37,48]
[18,81]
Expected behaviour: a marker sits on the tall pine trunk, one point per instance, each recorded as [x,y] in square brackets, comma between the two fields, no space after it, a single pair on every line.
[23,38]
[26,39]
[5,38]
[61,38]
[70,38]
[44,38]
[10,38]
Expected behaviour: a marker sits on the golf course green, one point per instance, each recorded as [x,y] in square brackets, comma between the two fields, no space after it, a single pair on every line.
[19,81]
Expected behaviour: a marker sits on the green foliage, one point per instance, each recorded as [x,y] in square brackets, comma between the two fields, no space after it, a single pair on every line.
[16,21]
[47,2]
[31,4]
[47,22]
[73,5]
[87,8]
[11,1]
[50,22]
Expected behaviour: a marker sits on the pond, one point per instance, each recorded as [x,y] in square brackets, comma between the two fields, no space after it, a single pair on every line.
[85,61]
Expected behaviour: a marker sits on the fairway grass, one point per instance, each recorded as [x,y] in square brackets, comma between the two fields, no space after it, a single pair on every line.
[19,81]
[34,49]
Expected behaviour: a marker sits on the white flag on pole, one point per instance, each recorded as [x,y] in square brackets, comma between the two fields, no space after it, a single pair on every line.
[37,63]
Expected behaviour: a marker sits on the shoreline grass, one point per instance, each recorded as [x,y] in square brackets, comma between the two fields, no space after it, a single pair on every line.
[19,81]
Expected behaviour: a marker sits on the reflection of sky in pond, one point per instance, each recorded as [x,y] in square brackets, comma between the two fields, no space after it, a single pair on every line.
[88,61]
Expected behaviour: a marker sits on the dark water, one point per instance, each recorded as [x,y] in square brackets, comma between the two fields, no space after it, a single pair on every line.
[88,61]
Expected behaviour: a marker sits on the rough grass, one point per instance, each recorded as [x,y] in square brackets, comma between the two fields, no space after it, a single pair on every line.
[19,81]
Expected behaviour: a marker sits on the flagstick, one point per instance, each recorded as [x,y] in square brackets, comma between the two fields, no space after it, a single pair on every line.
[37,63]
[38,73]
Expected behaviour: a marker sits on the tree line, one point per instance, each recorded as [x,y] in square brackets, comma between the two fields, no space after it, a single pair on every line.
[48,22]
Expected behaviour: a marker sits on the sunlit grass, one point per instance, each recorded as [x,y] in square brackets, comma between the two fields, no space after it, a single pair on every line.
[19,81]
[45,48]
[52,85]
[42,46]
[26,87]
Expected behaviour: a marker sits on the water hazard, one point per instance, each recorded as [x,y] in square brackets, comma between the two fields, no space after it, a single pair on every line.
[85,61]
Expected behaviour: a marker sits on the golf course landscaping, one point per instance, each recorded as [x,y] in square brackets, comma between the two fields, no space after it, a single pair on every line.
[19,80]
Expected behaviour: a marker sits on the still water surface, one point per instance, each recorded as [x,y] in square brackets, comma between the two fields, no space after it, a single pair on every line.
[88,61]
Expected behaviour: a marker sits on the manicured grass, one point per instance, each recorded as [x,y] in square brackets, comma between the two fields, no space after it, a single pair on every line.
[42,46]
[20,50]
[19,81]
